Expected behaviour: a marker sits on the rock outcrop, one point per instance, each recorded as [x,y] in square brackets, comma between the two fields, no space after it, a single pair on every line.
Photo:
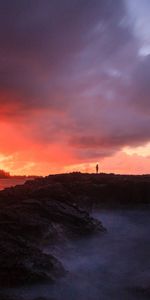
[46,211]
[85,190]
[32,216]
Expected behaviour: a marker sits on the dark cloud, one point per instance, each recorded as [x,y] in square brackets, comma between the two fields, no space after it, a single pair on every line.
[76,61]
[140,85]
[40,39]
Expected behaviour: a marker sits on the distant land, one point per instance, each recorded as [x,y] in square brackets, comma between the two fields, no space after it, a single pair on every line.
[7,175]
[8,180]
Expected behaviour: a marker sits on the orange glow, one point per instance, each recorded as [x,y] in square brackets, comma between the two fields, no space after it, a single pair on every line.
[21,154]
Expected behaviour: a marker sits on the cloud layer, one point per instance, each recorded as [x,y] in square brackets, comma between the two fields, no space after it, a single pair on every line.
[74,76]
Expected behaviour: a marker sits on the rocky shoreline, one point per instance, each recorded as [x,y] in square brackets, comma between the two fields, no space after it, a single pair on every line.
[31,218]
[53,210]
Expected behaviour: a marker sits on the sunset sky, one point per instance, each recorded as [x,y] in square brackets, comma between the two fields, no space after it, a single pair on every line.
[74,86]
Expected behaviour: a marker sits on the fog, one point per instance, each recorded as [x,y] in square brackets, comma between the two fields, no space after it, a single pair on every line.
[115,265]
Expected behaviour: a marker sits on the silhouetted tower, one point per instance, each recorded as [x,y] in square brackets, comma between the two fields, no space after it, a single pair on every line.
[97,167]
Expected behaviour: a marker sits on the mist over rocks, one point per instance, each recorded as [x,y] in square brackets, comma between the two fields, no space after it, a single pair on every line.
[33,216]
[50,211]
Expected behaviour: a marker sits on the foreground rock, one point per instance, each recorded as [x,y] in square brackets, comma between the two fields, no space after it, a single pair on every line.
[23,264]
[31,218]
[85,190]
[45,211]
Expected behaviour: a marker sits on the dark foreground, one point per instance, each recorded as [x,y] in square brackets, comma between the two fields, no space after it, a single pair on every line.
[112,266]
[46,238]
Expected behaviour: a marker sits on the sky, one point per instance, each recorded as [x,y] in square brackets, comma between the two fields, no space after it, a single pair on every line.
[74,86]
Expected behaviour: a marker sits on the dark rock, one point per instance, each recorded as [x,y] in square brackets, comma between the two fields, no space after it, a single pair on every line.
[46,210]
[22,264]
[26,224]
[86,190]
